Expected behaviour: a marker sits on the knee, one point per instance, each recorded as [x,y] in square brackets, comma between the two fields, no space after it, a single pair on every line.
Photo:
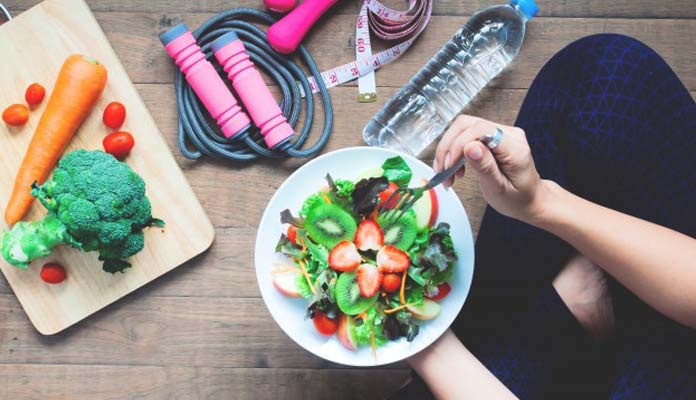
[596,49]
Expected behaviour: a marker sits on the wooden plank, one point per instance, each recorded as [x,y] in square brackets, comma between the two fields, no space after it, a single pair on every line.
[547,8]
[35,45]
[135,39]
[54,382]
[161,331]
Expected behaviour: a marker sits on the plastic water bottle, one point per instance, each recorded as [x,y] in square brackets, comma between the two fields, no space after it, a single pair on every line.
[424,107]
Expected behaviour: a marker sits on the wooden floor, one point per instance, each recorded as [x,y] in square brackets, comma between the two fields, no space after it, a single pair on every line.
[203,331]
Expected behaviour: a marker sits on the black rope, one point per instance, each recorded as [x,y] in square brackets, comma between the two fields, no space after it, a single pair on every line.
[194,128]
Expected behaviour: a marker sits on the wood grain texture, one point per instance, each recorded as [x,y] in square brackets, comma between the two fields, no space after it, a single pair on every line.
[58,382]
[135,38]
[37,42]
[201,331]
[547,8]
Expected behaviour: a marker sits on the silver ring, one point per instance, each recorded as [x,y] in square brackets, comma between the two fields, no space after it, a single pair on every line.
[494,139]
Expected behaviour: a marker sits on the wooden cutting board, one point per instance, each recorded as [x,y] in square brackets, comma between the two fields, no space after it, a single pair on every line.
[33,47]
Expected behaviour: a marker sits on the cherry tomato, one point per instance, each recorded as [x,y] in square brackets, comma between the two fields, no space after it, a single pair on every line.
[35,94]
[292,234]
[384,195]
[16,115]
[325,325]
[53,273]
[114,115]
[442,291]
[391,282]
[118,144]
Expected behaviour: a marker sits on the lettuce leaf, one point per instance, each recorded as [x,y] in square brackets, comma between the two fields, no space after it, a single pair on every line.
[311,202]
[366,194]
[396,170]
[373,321]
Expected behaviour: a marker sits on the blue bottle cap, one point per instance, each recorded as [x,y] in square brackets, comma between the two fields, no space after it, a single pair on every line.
[168,36]
[223,40]
[528,7]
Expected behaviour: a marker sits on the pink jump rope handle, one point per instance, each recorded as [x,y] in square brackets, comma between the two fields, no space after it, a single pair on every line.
[251,89]
[280,6]
[286,34]
[204,80]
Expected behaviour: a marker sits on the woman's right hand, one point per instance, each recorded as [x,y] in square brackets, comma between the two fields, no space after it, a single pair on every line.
[508,178]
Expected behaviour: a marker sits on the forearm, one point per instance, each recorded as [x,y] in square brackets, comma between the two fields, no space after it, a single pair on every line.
[655,263]
[452,372]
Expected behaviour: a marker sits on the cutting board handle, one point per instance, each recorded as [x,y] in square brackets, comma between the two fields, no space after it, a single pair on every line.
[5,12]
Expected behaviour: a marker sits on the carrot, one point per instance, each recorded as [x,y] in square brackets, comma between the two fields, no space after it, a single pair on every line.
[80,82]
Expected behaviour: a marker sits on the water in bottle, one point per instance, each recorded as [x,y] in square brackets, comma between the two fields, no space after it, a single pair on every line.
[424,107]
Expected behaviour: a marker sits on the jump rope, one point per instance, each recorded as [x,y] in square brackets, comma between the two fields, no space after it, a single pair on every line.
[239,47]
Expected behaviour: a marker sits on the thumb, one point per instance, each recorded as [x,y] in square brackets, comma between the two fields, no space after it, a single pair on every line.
[483,162]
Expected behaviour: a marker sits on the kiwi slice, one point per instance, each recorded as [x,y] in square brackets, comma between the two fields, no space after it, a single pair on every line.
[329,224]
[348,296]
[400,233]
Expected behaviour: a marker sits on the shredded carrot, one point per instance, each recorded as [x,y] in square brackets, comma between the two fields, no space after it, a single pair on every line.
[403,286]
[395,309]
[306,275]
[374,214]
[326,197]
[302,243]
[373,344]
[362,316]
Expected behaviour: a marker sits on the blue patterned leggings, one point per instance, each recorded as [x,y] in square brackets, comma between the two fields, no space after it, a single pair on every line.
[610,121]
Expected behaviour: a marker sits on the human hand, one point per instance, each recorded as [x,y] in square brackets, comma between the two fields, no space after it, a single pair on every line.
[508,178]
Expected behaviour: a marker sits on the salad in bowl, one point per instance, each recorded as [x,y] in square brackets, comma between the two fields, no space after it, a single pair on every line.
[368,277]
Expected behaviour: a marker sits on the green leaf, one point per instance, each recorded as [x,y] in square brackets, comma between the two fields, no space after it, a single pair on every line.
[373,321]
[303,286]
[310,203]
[285,246]
[396,170]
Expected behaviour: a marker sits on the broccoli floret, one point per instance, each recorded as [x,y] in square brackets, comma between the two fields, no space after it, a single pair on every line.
[95,203]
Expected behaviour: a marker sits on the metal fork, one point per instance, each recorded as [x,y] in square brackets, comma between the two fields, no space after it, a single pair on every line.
[405,198]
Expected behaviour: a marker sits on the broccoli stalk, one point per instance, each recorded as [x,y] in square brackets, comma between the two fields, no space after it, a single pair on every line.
[94,203]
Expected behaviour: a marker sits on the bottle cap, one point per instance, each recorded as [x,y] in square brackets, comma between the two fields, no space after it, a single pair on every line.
[528,7]
[223,40]
[169,36]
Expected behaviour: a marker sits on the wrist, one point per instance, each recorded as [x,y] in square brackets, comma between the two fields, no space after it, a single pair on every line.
[545,203]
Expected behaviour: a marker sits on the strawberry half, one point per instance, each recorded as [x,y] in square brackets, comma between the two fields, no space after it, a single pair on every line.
[391,260]
[369,236]
[344,256]
[369,279]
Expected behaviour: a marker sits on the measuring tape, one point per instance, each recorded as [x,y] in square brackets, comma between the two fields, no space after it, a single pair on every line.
[387,24]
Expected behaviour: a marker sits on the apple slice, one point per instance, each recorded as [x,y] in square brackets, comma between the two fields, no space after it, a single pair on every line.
[286,282]
[374,172]
[428,310]
[346,333]
[426,209]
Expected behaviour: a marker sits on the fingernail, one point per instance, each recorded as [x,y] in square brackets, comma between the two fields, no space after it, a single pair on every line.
[447,160]
[474,152]
[435,165]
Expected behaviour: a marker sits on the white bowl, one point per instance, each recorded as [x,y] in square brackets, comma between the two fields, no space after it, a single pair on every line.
[290,313]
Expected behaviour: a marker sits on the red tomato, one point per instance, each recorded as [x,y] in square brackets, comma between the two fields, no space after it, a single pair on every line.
[114,115]
[391,282]
[292,234]
[35,94]
[53,273]
[442,291]
[118,144]
[325,325]
[384,195]
[16,115]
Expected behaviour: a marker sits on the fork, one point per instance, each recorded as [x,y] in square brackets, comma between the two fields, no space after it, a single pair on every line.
[405,198]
